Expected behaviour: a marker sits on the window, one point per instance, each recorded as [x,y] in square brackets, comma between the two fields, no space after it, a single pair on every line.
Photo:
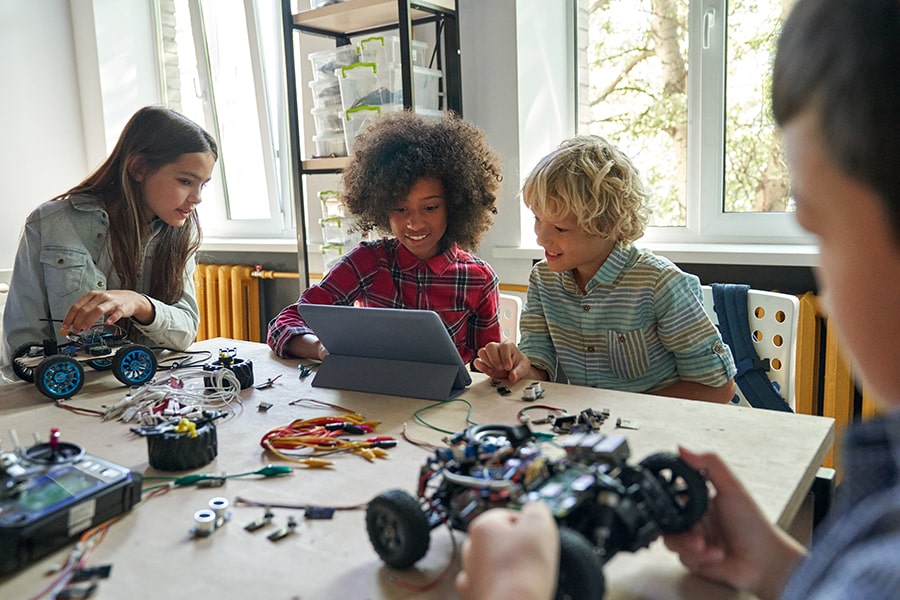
[222,66]
[683,87]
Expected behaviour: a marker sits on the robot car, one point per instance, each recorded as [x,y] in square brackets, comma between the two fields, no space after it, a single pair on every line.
[602,504]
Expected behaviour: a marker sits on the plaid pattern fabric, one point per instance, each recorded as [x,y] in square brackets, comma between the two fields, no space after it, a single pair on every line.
[460,287]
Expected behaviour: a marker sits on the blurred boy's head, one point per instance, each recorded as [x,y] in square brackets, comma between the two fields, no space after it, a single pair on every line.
[836,95]
[589,179]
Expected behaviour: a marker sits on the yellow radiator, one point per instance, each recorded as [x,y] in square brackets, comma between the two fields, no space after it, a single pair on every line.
[228,297]
[825,384]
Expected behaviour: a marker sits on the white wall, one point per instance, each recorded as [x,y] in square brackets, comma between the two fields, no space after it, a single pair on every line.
[517,87]
[41,136]
[56,119]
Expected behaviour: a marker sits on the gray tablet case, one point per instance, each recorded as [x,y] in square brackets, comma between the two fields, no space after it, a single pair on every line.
[399,352]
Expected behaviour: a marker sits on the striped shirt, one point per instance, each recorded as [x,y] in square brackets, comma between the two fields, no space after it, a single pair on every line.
[856,551]
[460,287]
[639,327]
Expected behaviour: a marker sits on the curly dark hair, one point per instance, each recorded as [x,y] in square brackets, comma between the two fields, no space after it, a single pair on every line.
[398,149]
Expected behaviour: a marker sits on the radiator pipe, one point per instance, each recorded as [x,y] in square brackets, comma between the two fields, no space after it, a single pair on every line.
[263,274]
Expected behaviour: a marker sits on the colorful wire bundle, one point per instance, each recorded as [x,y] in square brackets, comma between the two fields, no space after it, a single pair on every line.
[306,439]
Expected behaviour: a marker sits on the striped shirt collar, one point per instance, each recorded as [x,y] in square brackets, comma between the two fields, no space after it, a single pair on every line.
[621,257]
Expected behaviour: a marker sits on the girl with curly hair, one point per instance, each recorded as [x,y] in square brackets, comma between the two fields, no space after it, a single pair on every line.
[599,311]
[432,184]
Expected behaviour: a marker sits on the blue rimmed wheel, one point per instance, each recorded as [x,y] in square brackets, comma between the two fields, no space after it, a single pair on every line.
[134,364]
[59,377]
[101,364]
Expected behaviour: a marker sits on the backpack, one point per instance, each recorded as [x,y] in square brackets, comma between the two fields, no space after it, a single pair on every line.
[730,304]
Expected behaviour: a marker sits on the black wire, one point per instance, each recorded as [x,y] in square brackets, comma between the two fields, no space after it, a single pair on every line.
[179,361]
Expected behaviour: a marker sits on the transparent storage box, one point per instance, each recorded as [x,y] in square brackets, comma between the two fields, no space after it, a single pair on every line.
[428,86]
[331,204]
[328,119]
[340,230]
[364,84]
[324,62]
[325,92]
[331,254]
[385,50]
[330,144]
[357,117]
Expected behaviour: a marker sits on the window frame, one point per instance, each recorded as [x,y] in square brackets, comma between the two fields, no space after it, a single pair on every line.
[706,220]
[215,211]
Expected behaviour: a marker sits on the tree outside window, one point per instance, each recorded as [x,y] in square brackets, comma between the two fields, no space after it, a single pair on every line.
[698,138]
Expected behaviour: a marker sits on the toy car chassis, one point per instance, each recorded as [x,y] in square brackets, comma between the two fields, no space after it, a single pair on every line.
[57,371]
[601,504]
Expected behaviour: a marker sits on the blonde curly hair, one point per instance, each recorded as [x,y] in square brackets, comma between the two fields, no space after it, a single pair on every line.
[590,179]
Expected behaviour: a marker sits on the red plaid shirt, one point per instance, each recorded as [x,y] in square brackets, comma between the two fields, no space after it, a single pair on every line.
[460,287]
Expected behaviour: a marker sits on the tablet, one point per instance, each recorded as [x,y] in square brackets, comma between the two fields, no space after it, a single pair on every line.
[394,351]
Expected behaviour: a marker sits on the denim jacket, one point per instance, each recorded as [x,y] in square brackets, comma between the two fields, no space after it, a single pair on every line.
[63,254]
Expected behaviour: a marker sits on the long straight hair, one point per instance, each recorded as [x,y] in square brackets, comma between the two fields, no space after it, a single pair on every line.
[157,136]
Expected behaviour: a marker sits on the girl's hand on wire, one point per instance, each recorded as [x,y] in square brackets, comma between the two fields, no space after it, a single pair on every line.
[109,305]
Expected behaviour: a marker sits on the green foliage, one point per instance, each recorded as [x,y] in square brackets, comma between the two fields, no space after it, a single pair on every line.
[638,98]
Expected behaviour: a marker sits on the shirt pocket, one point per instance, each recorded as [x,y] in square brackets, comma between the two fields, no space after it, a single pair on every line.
[628,357]
[64,270]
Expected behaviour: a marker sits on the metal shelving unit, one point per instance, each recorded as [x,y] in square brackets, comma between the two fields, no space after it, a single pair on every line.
[357,18]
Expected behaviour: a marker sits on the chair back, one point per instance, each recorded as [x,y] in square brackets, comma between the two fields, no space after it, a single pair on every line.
[773,319]
[509,313]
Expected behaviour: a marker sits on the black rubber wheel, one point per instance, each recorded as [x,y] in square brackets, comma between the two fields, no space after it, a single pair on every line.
[179,451]
[242,369]
[25,373]
[134,364]
[59,377]
[398,529]
[684,485]
[580,571]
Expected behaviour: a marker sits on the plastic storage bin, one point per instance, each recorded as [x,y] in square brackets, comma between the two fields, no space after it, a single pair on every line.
[331,204]
[364,84]
[340,230]
[385,50]
[325,92]
[330,144]
[328,119]
[427,83]
[357,117]
[324,62]
[331,254]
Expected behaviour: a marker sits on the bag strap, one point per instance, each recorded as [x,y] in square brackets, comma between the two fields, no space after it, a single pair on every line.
[730,304]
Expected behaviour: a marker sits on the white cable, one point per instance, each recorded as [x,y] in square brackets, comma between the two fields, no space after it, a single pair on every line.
[189,393]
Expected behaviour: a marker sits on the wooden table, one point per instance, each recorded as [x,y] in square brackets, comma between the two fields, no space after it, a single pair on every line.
[153,554]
